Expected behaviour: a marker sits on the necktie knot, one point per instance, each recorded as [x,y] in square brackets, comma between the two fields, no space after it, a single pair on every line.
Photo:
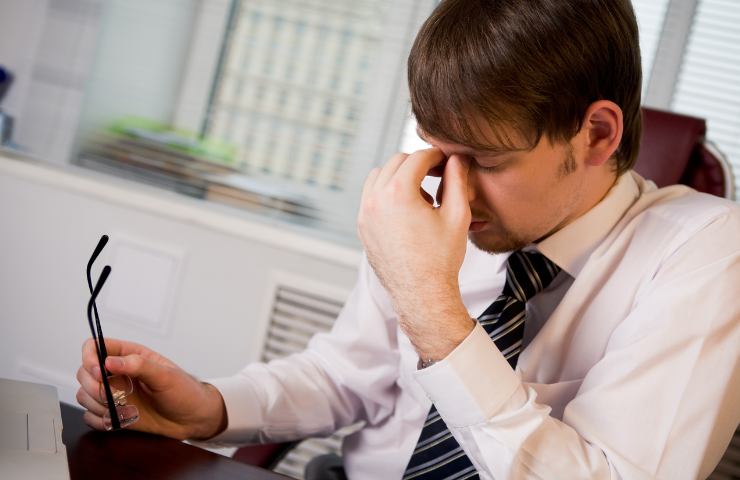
[527,274]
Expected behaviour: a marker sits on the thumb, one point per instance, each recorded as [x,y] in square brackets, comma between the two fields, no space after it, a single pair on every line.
[454,199]
[148,372]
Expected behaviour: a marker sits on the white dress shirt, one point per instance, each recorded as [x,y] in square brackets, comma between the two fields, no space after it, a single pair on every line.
[630,368]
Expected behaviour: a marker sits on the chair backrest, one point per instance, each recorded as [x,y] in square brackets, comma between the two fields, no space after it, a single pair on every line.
[674,150]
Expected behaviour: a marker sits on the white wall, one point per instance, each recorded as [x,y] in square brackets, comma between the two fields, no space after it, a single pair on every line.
[221,266]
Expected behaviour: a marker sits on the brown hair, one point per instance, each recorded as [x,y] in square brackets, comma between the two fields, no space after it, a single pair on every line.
[533,66]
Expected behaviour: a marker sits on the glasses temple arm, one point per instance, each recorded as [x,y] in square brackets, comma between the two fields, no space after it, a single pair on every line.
[115,423]
[99,248]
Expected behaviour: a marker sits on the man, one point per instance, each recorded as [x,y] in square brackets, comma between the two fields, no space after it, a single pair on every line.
[600,340]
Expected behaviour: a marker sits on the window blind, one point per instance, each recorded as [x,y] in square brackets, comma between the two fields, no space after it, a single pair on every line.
[708,84]
[293,84]
[650,16]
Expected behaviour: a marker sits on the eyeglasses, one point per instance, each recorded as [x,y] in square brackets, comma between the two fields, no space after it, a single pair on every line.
[114,389]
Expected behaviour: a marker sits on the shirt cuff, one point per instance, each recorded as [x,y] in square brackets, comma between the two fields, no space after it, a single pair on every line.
[473,383]
[242,410]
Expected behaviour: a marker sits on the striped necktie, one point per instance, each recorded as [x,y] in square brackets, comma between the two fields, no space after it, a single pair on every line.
[437,454]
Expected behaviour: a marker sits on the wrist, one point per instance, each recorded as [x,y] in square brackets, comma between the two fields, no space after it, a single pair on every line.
[435,335]
[437,349]
[214,419]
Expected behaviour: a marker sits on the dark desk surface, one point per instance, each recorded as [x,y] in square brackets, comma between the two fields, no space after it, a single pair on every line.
[132,455]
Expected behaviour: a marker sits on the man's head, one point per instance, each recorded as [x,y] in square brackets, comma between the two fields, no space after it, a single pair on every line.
[526,77]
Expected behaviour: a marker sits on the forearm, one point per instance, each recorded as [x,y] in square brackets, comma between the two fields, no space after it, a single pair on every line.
[434,327]
[284,400]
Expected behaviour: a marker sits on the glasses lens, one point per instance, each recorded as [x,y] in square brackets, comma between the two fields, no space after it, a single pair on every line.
[127,415]
[121,387]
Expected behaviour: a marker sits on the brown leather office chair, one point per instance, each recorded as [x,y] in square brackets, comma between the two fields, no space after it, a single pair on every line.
[267,455]
[673,150]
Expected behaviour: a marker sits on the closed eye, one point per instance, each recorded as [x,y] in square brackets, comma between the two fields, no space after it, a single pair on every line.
[486,168]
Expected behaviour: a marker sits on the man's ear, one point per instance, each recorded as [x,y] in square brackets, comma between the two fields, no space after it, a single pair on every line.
[602,131]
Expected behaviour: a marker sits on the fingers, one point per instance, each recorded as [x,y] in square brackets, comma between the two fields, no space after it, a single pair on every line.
[437,170]
[113,346]
[422,163]
[454,195]
[432,162]
[404,168]
[88,382]
[93,420]
[416,166]
[88,393]
[89,355]
[369,183]
[440,191]
[90,403]
[390,169]
[145,370]
[125,358]
[118,348]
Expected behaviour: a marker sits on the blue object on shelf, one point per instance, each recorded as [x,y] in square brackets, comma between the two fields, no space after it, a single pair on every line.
[6,78]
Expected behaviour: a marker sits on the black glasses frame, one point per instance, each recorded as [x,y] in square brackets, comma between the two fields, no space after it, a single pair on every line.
[97,331]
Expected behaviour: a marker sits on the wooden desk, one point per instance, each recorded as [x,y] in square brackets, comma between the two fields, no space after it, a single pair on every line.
[133,455]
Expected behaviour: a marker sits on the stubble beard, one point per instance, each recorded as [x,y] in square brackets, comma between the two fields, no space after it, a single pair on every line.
[497,242]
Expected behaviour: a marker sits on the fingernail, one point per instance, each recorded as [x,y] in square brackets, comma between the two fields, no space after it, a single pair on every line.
[114,362]
[127,415]
[96,373]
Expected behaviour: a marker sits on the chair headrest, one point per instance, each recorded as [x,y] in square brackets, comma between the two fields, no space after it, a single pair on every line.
[668,142]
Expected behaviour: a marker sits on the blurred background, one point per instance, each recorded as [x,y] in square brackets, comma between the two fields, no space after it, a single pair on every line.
[222,145]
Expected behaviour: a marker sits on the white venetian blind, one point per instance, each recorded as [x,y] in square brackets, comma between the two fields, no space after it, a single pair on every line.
[709,80]
[650,15]
[293,84]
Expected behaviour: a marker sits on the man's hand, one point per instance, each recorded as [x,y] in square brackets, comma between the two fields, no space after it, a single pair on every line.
[170,402]
[416,250]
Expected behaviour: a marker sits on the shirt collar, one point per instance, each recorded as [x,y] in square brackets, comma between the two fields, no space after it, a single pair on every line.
[571,246]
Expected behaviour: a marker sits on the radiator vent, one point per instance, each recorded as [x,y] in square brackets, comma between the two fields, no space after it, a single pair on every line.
[295,317]
[298,312]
